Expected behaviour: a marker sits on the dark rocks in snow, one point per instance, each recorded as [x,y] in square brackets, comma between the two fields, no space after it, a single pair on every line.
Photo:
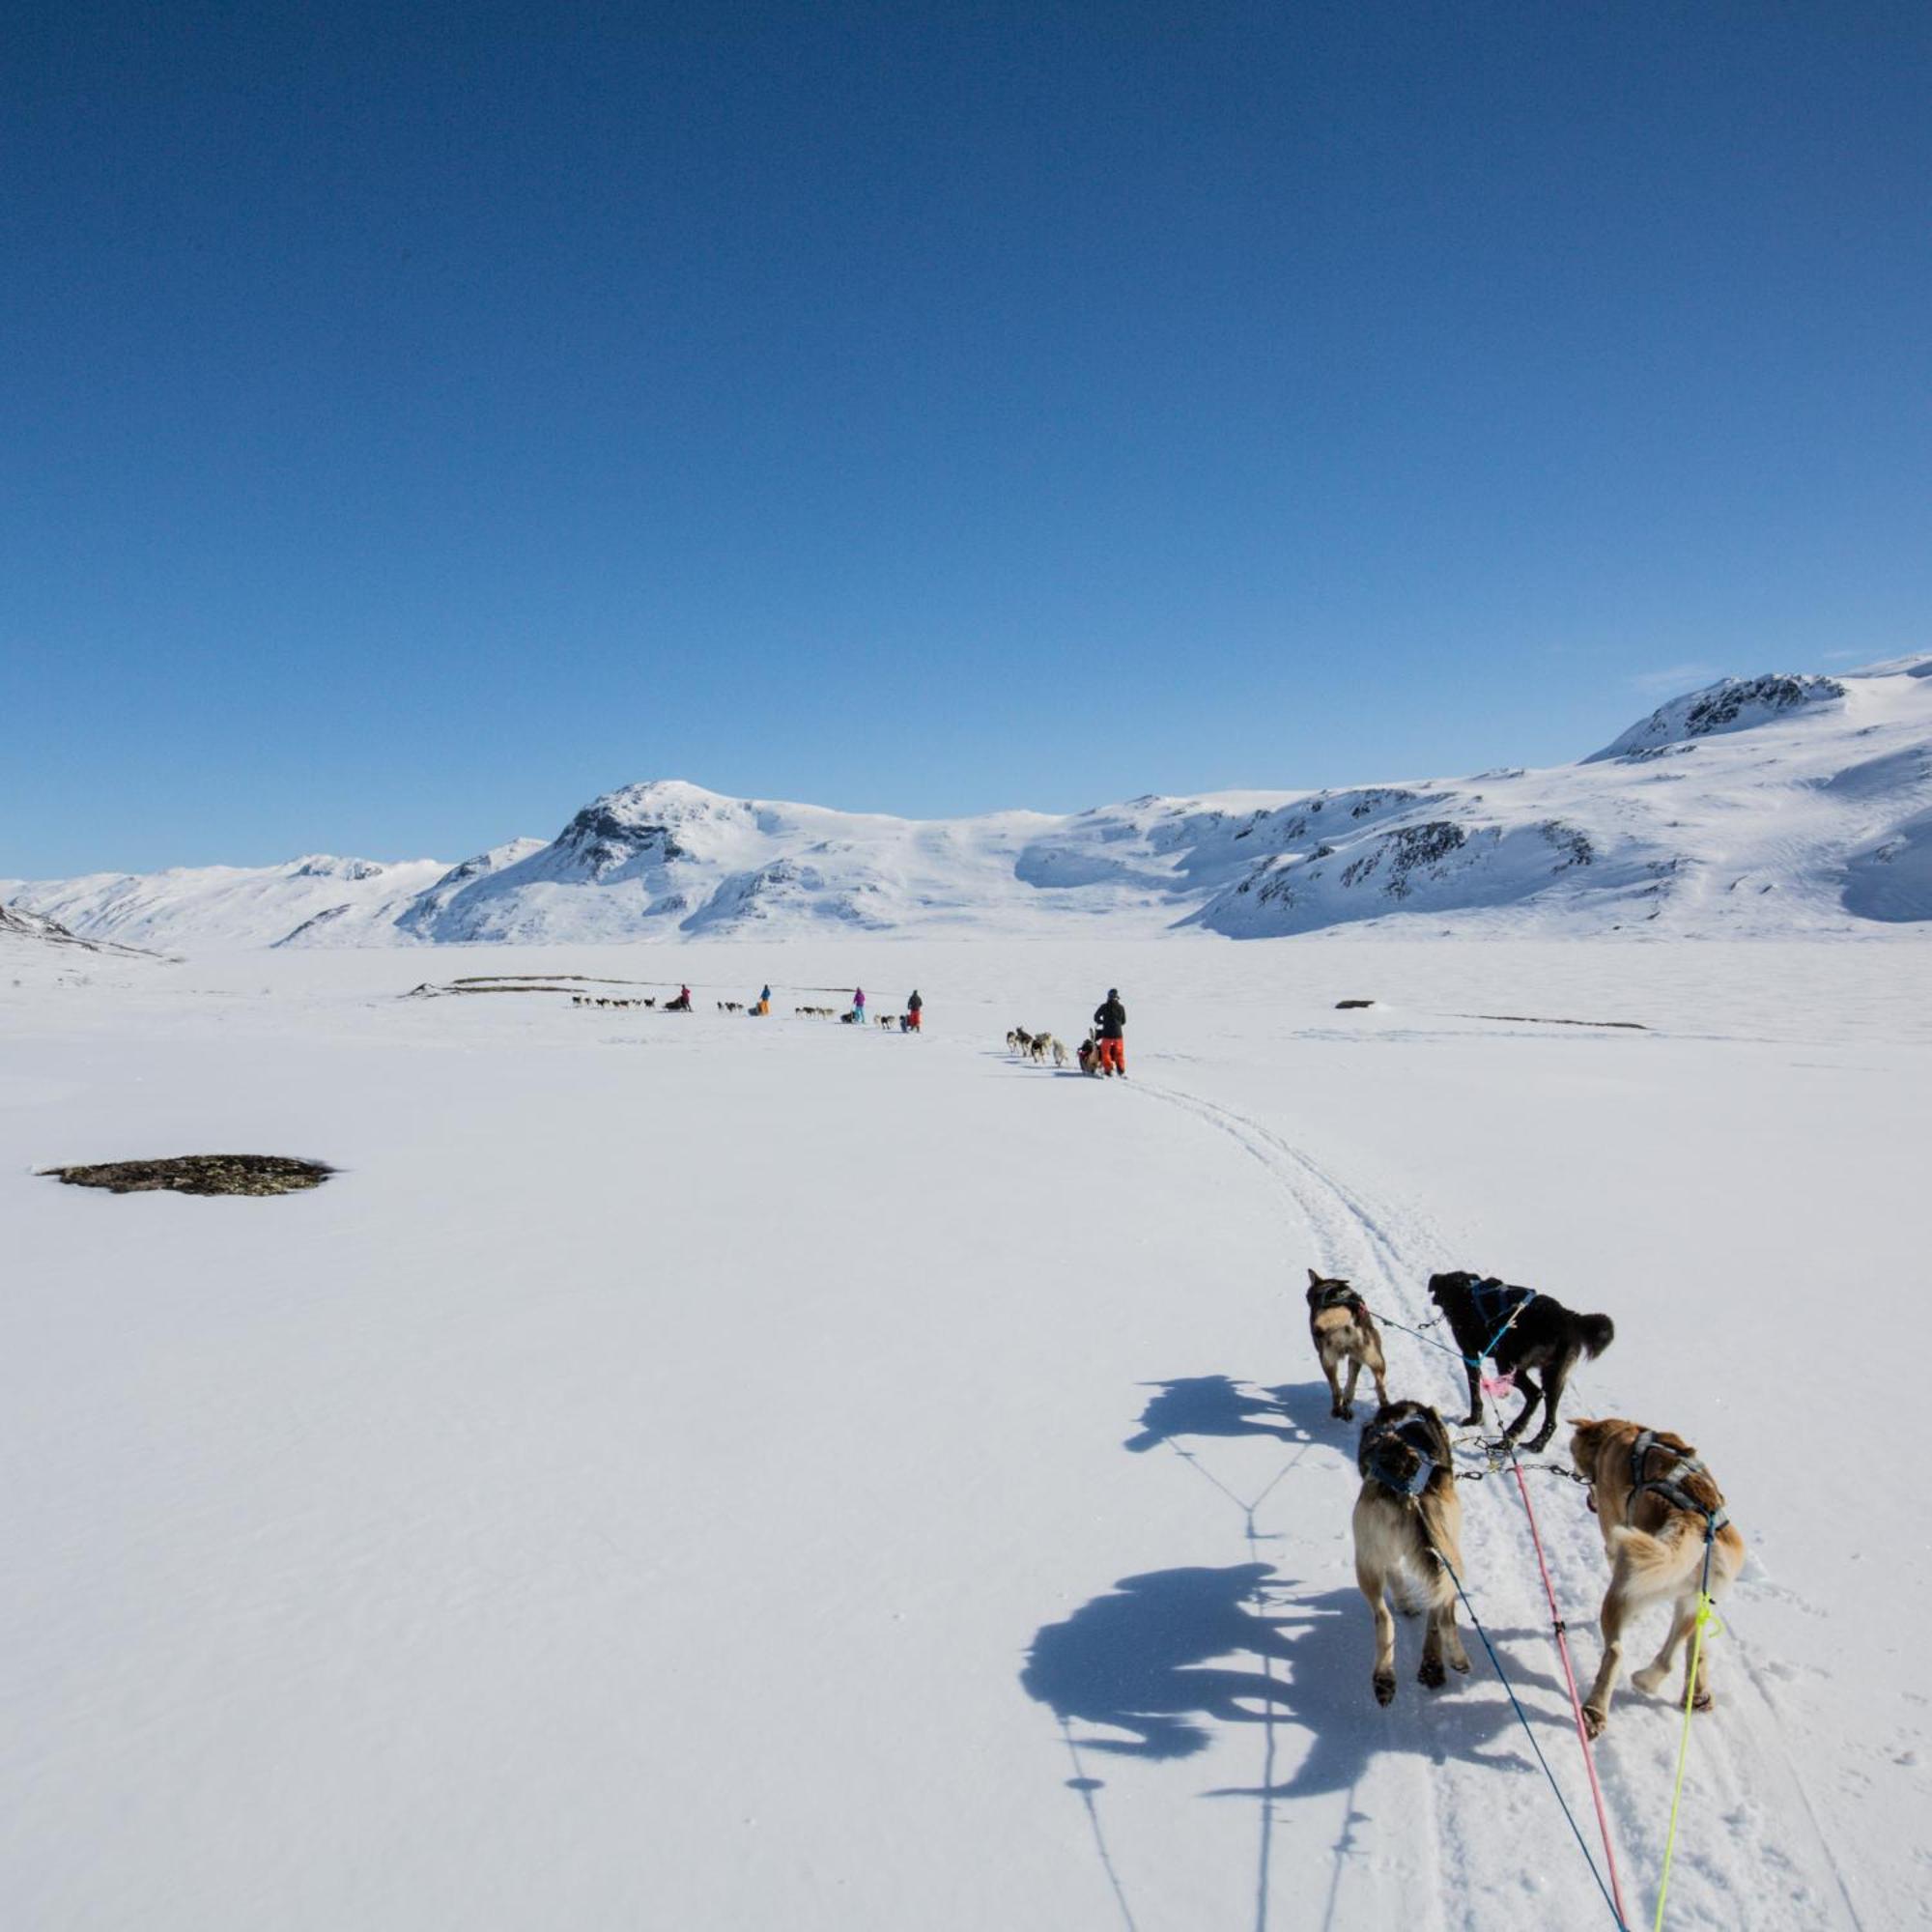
[323,867]
[251,1174]
[1407,849]
[1576,849]
[1732,704]
[1772,694]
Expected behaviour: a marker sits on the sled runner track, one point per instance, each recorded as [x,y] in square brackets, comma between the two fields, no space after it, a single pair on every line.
[1735,1866]
[1341,1223]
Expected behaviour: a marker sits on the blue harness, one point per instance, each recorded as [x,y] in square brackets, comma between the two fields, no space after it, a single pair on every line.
[1668,1488]
[1413,1430]
[1496,1305]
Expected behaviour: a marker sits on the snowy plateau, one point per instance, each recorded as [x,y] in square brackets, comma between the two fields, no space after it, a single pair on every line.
[1769,806]
[714,1474]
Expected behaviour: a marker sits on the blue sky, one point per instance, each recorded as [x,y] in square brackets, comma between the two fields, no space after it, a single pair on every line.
[417,420]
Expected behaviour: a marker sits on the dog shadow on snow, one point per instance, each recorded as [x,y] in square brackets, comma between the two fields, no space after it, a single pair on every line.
[1161,1659]
[1220,1405]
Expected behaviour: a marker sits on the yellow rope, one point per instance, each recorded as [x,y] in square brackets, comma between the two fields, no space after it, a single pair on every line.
[1707,1615]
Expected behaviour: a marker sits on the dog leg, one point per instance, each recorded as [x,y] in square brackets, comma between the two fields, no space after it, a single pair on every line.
[1650,1679]
[1475,1415]
[1525,1380]
[1430,1676]
[1347,1409]
[1443,1636]
[1378,1368]
[1384,1679]
[1610,1619]
[1452,1640]
[1335,1407]
[1553,1379]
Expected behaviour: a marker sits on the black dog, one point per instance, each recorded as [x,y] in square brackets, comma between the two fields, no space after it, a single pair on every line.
[1519,1330]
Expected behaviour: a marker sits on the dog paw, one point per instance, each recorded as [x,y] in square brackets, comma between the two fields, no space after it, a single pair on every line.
[1538,1442]
[1594,1721]
[1430,1673]
[1471,1421]
[1649,1678]
[1384,1686]
[1460,1663]
[1703,1701]
[1346,1414]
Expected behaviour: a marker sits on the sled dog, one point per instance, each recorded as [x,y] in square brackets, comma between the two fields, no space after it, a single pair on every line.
[1344,1331]
[1407,1512]
[1521,1330]
[1658,1506]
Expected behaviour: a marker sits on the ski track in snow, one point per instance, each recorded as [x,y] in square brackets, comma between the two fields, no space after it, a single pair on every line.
[1730,1864]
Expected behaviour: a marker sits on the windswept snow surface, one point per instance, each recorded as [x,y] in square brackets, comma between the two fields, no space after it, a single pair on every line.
[1760,807]
[691,1472]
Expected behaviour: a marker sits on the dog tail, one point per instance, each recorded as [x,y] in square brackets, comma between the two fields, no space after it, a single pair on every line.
[1657,1566]
[1598,1331]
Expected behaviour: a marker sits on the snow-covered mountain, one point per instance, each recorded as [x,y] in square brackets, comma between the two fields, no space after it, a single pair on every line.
[1771,804]
[19,927]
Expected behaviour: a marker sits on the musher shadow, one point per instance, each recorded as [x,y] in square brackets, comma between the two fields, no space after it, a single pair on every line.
[1164,1655]
[1141,1659]
[1220,1405]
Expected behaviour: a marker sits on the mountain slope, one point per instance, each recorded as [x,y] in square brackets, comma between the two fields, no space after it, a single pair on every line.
[20,927]
[1779,803]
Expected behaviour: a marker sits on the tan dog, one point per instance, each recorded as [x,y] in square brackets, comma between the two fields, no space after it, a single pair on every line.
[1408,1511]
[1658,1507]
[1344,1331]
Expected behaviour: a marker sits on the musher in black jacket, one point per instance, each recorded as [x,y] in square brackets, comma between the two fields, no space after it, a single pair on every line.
[1111,1017]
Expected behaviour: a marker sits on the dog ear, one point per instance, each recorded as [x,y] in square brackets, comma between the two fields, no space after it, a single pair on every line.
[1313,1279]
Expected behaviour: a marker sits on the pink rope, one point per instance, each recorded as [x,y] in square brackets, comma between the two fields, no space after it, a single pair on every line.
[1575,1703]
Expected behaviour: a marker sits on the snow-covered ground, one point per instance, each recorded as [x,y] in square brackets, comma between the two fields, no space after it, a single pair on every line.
[720,1473]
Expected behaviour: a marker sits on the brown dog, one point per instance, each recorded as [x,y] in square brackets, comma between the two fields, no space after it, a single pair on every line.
[1659,1509]
[1344,1331]
[1409,1521]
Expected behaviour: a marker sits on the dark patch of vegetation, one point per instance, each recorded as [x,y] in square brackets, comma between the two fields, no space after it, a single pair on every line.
[255,1174]
[1531,1019]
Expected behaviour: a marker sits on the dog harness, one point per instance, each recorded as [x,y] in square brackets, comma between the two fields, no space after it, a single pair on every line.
[1413,1432]
[1497,1306]
[1338,1295]
[1668,1488]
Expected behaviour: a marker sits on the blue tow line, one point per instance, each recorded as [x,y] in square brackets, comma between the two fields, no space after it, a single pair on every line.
[1429,1341]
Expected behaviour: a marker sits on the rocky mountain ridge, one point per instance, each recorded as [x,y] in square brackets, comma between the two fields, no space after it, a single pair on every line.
[1788,803]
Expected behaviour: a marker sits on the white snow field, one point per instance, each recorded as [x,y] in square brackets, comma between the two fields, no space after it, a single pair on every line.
[715,1473]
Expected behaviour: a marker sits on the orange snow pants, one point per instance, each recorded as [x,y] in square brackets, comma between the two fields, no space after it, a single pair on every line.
[1113,1056]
